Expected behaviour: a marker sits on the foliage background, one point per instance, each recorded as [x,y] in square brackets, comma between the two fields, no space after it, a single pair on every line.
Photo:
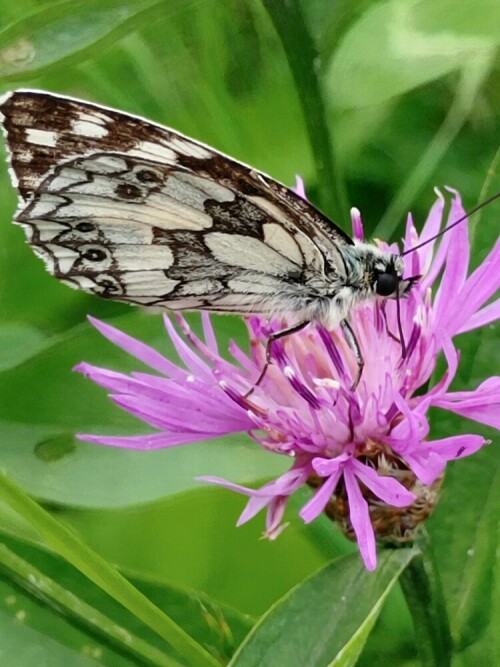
[411,98]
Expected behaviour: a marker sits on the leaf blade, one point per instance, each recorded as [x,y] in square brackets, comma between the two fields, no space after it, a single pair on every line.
[346,600]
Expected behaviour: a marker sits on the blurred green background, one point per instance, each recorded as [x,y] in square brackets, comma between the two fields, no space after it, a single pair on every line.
[409,101]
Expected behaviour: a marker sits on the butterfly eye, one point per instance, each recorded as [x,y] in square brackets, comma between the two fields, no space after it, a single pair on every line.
[386,284]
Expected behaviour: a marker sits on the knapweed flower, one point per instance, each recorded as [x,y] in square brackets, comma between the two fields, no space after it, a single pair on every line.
[367,453]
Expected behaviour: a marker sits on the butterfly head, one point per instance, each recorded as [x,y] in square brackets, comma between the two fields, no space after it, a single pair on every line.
[388,282]
[388,277]
[384,273]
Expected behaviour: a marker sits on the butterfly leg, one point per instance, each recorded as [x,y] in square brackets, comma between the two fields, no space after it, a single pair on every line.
[275,336]
[352,341]
[384,315]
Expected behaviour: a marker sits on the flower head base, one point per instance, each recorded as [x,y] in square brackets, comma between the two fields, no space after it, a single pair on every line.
[391,524]
[366,452]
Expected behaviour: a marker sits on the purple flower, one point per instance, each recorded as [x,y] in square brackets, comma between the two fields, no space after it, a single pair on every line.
[368,453]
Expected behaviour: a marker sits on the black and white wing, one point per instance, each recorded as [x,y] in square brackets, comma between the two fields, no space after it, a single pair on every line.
[134,211]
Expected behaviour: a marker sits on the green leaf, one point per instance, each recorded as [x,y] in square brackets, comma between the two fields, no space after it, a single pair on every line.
[43,389]
[59,30]
[23,646]
[57,601]
[18,342]
[465,536]
[398,45]
[421,585]
[44,404]
[43,604]
[193,539]
[55,467]
[71,547]
[472,80]
[326,619]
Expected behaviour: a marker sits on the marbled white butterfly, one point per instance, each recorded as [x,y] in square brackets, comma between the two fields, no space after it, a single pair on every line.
[131,210]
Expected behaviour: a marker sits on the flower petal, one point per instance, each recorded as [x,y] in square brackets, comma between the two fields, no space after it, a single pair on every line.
[358,231]
[318,502]
[481,405]
[360,519]
[299,187]
[148,441]
[430,459]
[135,347]
[384,487]
[480,318]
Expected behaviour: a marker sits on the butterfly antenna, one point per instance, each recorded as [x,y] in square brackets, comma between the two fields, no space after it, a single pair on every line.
[453,224]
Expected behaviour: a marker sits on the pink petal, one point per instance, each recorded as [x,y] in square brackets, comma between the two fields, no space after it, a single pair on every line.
[317,503]
[275,512]
[431,228]
[426,465]
[430,459]
[480,286]
[148,441]
[386,488]
[358,231]
[139,350]
[274,495]
[431,260]
[109,379]
[360,519]
[326,467]
[209,333]
[171,415]
[481,405]
[188,356]
[480,318]
[299,187]
[455,272]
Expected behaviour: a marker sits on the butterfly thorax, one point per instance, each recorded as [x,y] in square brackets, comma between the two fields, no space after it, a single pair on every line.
[360,279]
[365,263]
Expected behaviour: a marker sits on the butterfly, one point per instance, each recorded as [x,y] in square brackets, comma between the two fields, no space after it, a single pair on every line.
[130,210]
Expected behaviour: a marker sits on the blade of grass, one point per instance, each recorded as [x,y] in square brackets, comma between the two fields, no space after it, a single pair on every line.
[302,57]
[490,175]
[102,573]
[472,78]
[423,592]
[47,590]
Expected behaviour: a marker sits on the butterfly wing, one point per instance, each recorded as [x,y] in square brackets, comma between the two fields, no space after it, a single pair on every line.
[131,210]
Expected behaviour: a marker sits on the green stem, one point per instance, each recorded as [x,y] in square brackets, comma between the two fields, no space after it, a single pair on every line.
[471,81]
[424,596]
[302,57]
[45,589]
[490,174]
[103,574]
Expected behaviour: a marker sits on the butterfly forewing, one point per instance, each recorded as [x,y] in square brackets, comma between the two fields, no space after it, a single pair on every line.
[134,211]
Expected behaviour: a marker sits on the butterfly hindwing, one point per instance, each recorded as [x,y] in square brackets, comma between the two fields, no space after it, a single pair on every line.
[134,211]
